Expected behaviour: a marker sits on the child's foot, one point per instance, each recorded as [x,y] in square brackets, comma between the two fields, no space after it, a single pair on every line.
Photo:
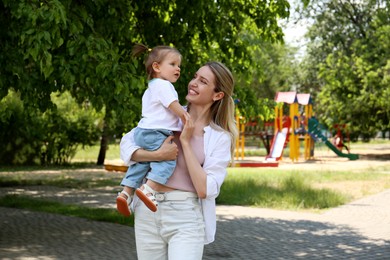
[147,196]
[123,201]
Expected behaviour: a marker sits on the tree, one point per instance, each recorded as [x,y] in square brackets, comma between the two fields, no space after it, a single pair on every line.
[84,46]
[348,50]
[30,136]
[68,45]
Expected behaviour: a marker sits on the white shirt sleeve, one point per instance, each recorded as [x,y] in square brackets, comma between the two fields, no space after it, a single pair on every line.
[128,147]
[216,162]
[165,92]
[217,152]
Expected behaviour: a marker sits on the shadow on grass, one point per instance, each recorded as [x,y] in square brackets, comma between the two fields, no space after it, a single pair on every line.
[97,214]
[69,166]
[64,181]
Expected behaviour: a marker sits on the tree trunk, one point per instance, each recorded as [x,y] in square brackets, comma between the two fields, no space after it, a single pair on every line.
[103,144]
[265,138]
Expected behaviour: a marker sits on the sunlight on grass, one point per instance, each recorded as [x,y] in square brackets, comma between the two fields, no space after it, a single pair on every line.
[284,191]
[294,190]
[288,189]
[90,153]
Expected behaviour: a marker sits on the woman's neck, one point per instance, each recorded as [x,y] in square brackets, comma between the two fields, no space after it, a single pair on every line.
[200,115]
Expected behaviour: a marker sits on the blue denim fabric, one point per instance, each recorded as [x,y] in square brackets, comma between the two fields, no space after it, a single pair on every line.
[149,139]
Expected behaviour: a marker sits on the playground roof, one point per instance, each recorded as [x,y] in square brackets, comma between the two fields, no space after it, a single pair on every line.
[292,97]
[304,99]
[286,97]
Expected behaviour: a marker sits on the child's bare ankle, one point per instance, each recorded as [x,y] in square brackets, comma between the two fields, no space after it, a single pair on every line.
[128,190]
[152,184]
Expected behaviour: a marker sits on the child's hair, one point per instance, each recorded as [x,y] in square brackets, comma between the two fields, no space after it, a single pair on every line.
[157,54]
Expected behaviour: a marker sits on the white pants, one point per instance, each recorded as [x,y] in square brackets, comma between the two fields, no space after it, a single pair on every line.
[175,231]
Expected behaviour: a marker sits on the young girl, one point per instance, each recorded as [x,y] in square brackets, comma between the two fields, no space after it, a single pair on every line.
[186,217]
[160,118]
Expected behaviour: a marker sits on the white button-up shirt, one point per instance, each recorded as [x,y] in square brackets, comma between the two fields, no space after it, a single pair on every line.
[217,157]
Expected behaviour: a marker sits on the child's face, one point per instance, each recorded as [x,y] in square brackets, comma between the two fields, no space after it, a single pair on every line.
[169,68]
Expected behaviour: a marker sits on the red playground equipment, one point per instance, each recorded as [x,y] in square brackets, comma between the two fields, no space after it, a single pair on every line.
[339,139]
[285,127]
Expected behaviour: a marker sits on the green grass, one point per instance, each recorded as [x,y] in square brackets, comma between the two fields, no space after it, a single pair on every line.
[96,214]
[258,187]
[297,190]
[90,153]
[284,191]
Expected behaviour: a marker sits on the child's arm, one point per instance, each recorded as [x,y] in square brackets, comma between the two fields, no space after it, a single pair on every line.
[176,108]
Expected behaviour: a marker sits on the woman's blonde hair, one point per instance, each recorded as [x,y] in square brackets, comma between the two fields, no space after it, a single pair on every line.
[222,111]
[157,54]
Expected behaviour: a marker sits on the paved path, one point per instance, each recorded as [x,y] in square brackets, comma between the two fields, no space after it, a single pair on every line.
[359,230]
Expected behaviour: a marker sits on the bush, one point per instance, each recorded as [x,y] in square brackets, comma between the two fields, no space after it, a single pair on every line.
[51,137]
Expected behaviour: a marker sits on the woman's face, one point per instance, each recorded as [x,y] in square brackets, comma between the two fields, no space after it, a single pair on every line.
[201,87]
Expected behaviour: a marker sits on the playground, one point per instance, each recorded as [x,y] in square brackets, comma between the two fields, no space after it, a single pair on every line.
[296,139]
[296,131]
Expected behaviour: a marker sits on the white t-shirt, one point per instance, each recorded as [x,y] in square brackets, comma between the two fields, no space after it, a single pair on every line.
[155,102]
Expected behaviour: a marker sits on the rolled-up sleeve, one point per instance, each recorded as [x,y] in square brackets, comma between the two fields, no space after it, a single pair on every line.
[128,147]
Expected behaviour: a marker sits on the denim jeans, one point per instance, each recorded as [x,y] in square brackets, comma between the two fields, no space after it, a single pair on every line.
[149,139]
[175,231]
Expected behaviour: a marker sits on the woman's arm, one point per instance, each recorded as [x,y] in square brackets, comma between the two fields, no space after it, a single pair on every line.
[130,153]
[196,171]
[167,152]
[207,178]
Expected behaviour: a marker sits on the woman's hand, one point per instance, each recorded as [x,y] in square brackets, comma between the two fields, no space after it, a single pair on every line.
[187,132]
[168,150]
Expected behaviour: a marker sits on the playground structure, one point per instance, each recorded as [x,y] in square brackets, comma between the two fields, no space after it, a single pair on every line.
[251,128]
[315,131]
[290,129]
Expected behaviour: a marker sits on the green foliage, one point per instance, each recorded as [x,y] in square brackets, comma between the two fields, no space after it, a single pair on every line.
[348,53]
[20,131]
[66,45]
[51,137]
[84,47]
[273,71]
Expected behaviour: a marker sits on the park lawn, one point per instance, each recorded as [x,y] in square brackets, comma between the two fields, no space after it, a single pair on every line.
[257,187]
[300,190]
[286,189]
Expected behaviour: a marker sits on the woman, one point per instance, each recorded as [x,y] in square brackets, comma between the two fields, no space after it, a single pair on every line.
[186,217]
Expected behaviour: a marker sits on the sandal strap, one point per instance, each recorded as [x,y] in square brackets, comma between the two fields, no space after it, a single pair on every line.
[148,190]
[129,198]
